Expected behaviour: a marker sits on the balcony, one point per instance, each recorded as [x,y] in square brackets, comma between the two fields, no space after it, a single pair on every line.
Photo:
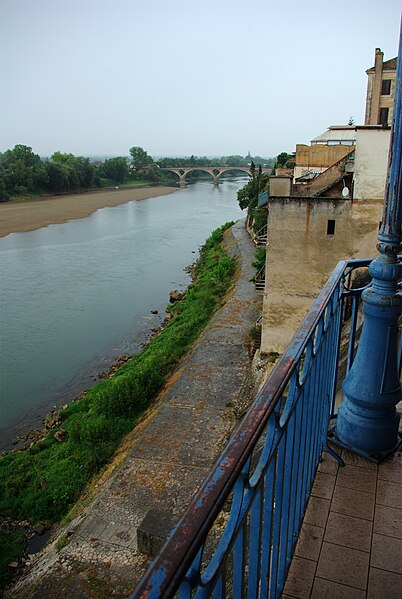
[350,541]
[281,489]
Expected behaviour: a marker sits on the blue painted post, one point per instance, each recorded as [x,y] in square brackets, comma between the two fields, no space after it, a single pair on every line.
[368,421]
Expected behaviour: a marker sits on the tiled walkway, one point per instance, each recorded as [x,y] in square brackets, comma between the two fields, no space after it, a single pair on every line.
[350,546]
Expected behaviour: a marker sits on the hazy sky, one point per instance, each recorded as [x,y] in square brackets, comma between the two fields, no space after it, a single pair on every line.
[179,78]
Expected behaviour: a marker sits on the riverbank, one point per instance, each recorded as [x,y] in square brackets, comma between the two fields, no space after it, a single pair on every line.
[17,216]
[162,461]
[53,472]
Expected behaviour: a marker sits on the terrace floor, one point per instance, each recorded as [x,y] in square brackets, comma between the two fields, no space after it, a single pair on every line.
[350,545]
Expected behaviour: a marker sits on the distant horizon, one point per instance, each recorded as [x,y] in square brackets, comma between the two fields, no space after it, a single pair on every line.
[154,156]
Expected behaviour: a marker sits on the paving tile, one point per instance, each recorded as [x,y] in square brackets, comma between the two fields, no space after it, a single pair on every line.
[361,479]
[317,511]
[390,470]
[343,565]
[109,531]
[123,535]
[388,521]
[328,465]
[309,543]
[356,460]
[348,531]
[333,590]
[389,494]
[92,527]
[386,553]
[323,485]
[353,503]
[384,585]
[300,578]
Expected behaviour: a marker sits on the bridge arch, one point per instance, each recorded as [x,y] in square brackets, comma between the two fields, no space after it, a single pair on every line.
[204,169]
[243,169]
[214,171]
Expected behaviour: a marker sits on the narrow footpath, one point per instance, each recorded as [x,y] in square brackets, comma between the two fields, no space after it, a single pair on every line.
[161,463]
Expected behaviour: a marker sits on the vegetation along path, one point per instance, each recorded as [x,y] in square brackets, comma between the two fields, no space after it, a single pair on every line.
[162,462]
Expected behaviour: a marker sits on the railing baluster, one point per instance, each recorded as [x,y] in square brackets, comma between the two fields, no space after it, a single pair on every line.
[184,590]
[219,591]
[295,488]
[267,528]
[279,476]
[254,545]
[287,488]
[239,552]
[352,335]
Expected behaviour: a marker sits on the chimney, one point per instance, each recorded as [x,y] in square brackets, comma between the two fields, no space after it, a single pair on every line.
[378,60]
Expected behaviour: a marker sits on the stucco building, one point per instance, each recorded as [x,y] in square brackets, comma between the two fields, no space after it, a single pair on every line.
[307,237]
[325,149]
[380,90]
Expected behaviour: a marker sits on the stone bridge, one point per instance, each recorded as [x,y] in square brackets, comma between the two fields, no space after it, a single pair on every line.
[214,171]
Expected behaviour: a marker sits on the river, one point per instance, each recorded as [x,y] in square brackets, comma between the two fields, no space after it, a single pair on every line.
[75,296]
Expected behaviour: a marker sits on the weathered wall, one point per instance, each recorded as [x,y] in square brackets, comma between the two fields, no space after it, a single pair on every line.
[326,178]
[280,186]
[371,158]
[301,256]
[320,155]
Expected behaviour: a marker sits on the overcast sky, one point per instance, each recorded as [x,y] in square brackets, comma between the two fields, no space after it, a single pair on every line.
[179,78]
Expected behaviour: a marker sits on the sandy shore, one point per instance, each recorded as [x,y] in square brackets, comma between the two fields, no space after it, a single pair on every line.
[16,216]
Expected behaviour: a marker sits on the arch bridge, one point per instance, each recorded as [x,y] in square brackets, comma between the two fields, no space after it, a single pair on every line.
[215,171]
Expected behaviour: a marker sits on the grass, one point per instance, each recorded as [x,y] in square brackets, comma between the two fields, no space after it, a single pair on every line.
[12,546]
[43,482]
[29,195]
[136,183]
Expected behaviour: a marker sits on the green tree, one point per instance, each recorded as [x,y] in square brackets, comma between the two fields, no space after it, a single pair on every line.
[247,196]
[18,169]
[23,154]
[140,158]
[115,169]
[4,195]
[282,159]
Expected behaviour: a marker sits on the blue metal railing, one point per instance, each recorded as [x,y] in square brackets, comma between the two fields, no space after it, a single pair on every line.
[238,535]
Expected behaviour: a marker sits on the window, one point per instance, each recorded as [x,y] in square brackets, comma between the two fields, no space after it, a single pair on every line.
[331,227]
[383,119]
[386,87]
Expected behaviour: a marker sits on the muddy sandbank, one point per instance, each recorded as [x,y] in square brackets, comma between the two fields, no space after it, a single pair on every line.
[17,216]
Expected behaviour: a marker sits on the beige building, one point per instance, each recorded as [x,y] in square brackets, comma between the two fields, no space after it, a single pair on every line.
[326,149]
[307,237]
[380,90]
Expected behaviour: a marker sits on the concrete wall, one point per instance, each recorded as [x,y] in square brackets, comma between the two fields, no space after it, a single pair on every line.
[280,186]
[320,155]
[301,256]
[371,158]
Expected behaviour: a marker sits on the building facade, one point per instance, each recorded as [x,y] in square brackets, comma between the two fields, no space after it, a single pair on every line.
[380,90]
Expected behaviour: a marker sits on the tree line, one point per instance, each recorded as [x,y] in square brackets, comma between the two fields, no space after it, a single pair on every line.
[24,173]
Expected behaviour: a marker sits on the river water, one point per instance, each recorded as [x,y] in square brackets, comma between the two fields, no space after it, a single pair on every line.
[75,296]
